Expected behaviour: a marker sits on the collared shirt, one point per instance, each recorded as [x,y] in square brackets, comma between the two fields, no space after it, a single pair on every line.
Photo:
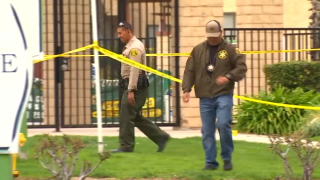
[133,50]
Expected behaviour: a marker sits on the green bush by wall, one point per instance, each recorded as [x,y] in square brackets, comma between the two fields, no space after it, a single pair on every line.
[294,74]
[264,119]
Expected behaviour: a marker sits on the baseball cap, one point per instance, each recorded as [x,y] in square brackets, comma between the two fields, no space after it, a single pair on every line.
[213,28]
[126,25]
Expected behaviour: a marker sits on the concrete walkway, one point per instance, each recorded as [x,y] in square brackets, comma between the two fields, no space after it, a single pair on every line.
[181,133]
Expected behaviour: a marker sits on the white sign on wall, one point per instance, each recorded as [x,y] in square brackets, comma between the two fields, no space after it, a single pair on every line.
[30,16]
[16,74]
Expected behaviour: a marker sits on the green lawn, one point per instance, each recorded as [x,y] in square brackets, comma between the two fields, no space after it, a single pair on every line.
[317,138]
[183,158]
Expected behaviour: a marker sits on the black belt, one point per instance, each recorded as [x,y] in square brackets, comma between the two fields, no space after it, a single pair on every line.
[143,82]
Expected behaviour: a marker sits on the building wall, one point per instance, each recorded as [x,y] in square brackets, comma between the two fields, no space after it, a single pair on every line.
[48,66]
[141,15]
[229,5]
[296,14]
[78,80]
[193,15]
[252,14]
[77,33]
[257,14]
[138,14]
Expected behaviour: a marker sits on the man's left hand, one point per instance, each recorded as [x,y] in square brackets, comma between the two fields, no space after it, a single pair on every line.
[131,100]
[222,80]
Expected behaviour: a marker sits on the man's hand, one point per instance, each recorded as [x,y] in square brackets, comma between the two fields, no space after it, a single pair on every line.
[222,80]
[131,100]
[186,97]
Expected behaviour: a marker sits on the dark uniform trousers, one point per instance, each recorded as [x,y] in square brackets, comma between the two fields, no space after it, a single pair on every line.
[130,116]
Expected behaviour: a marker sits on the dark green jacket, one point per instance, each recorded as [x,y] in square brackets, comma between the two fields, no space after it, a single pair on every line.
[195,72]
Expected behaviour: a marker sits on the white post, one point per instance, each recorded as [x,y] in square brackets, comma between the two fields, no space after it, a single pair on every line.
[97,74]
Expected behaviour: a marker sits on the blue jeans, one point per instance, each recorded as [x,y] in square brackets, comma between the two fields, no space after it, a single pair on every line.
[211,110]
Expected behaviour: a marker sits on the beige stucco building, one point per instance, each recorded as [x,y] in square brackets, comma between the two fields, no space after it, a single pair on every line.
[238,14]
[193,15]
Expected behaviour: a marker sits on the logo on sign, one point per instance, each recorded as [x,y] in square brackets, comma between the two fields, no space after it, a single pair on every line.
[9,63]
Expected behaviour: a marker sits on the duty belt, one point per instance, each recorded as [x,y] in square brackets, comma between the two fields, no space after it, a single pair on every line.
[142,83]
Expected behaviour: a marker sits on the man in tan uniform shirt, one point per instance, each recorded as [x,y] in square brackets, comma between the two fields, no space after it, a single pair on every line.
[135,85]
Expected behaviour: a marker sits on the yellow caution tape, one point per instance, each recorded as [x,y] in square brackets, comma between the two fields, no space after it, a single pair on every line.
[242,52]
[47,57]
[277,104]
[148,69]
[91,55]
[68,54]
[134,64]
[73,55]
[170,54]
[278,51]
[130,62]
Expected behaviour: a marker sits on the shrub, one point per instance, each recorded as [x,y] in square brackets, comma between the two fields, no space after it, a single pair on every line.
[311,126]
[261,118]
[294,74]
[59,155]
[313,129]
[306,152]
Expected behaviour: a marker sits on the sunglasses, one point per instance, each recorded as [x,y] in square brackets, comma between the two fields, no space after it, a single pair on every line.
[123,25]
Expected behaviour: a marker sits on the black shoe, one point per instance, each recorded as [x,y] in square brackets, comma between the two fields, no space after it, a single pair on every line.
[121,150]
[162,145]
[227,166]
[210,167]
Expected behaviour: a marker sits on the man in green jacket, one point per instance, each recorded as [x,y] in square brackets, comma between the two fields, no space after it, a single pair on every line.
[213,68]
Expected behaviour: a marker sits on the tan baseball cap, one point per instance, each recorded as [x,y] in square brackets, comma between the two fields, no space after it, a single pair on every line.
[213,28]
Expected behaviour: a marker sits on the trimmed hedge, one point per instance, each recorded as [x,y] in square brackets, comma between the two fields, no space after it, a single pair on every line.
[294,74]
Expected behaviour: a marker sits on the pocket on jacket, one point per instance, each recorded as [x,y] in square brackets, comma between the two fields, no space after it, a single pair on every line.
[198,73]
[200,76]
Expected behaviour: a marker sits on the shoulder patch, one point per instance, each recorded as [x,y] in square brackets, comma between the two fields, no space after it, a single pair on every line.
[238,51]
[134,52]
